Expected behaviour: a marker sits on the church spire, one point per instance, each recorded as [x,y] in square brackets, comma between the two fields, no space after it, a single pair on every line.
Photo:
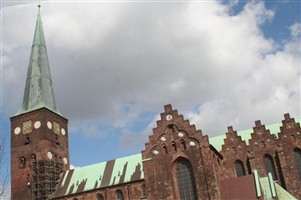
[38,88]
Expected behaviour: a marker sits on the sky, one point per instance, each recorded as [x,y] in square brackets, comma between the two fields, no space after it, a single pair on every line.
[115,65]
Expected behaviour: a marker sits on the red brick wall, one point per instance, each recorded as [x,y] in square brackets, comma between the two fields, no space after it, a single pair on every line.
[130,191]
[38,142]
[175,138]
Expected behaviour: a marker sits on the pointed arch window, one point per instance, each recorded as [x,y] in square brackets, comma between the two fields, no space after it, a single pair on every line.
[279,170]
[173,147]
[33,159]
[297,157]
[182,145]
[119,195]
[22,162]
[144,192]
[100,197]
[269,165]
[239,168]
[164,149]
[185,180]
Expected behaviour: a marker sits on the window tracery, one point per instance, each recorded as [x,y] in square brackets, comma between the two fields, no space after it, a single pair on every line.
[185,180]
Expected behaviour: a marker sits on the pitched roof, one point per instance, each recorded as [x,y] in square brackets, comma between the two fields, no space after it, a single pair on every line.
[218,141]
[38,91]
[130,168]
[104,174]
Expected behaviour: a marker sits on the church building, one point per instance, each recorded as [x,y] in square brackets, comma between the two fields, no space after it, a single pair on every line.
[178,162]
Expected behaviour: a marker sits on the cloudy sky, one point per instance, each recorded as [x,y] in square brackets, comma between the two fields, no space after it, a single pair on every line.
[116,64]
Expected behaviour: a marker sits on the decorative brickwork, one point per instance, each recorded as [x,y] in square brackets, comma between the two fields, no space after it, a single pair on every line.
[172,139]
[33,141]
[177,163]
[266,152]
[233,151]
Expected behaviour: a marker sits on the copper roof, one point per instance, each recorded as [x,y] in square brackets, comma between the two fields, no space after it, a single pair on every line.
[100,175]
[38,91]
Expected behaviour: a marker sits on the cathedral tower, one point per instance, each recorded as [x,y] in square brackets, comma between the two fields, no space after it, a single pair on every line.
[39,133]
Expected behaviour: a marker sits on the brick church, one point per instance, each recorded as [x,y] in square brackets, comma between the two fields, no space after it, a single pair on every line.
[178,162]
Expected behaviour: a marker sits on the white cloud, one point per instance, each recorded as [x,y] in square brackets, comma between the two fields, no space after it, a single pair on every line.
[106,57]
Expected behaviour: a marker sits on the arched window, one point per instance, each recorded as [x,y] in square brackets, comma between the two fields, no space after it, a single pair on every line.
[185,180]
[33,160]
[239,168]
[119,195]
[269,166]
[297,157]
[144,192]
[164,149]
[22,162]
[173,147]
[279,170]
[182,145]
[100,197]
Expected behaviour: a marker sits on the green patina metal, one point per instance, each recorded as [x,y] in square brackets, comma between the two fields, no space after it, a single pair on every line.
[282,194]
[100,175]
[38,88]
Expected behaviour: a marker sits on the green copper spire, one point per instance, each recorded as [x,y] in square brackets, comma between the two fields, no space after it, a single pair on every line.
[38,88]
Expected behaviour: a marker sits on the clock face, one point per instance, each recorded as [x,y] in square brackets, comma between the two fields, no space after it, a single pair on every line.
[27,127]
[56,128]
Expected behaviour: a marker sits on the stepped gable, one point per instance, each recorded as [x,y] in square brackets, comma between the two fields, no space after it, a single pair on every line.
[233,150]
[173,131]
[289,150]
[261,139]
[290,130]
[233,145]
[175,141]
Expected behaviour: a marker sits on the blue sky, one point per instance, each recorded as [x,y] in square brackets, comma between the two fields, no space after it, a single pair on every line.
[115,65]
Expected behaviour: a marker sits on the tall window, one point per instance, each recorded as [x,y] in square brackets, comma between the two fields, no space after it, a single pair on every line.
[185,180]
[144,192]
[239,168]
[249,167]
[269,165]
[297,156]
[279,170]
[99,197]
[119,195]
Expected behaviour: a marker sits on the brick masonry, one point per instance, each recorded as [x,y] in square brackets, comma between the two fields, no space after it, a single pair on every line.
[174,138]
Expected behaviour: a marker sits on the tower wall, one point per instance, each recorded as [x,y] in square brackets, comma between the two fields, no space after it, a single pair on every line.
[39,145]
